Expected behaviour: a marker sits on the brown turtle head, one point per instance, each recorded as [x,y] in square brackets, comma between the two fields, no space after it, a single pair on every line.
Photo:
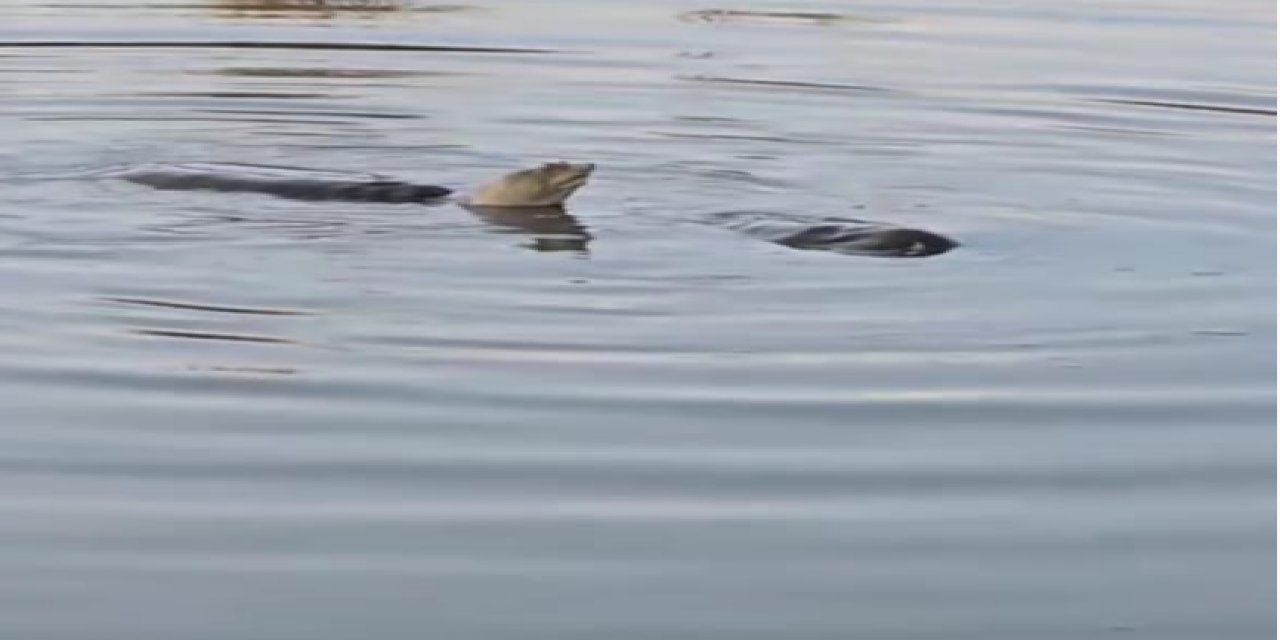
[548,185]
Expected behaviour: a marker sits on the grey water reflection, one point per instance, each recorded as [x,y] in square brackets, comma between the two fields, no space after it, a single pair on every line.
[552,228]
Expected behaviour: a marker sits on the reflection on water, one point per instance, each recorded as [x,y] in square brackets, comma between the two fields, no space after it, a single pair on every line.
[552,228]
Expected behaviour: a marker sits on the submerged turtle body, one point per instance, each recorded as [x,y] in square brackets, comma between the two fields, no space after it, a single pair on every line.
[542,186]
[869,240]
[285,182]
[840,236]
[531,200]
[298,189]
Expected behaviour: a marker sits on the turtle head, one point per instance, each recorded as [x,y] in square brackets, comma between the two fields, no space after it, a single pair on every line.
[548,185]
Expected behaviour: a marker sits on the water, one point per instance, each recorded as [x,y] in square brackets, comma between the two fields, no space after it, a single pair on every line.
[228,416]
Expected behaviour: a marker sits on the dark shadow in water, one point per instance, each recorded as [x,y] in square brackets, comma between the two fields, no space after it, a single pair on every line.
[234,95]
[316,6]
[837,235]
[1190,106]
[318,72]
[256,9]
[322,114]
[552,228]
[274,371]
[197,335]
[294,183]
[181,119]
[784,84]
[795,17]
[251,44]
[189,306]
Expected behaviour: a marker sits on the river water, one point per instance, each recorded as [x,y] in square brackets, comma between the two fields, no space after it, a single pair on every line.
[237,417]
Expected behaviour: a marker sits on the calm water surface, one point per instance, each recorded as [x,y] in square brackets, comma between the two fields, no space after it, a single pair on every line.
[233,417]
